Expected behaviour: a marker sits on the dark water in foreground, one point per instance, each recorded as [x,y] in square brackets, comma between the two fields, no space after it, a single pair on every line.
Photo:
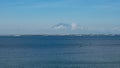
[60,52]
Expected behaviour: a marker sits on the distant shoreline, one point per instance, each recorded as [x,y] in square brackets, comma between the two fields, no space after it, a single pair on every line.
[62,35]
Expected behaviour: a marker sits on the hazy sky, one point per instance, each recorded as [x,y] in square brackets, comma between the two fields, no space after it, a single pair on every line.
[59,16]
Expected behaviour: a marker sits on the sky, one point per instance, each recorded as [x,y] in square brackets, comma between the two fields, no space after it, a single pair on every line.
[59,17]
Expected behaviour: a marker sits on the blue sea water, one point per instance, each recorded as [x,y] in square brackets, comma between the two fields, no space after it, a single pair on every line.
[38,51]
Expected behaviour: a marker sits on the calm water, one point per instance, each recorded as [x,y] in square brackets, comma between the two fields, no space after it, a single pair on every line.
[60,52]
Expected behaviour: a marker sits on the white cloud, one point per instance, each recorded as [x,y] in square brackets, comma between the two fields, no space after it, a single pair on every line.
[61,26]
[74,26]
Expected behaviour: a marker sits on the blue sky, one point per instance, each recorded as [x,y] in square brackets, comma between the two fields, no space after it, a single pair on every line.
[59,17]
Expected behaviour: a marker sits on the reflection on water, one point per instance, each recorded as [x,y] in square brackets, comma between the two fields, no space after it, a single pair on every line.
[60,52]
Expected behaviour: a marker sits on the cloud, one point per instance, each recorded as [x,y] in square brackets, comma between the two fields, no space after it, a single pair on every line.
[72,26]
[76,28]
[61,26]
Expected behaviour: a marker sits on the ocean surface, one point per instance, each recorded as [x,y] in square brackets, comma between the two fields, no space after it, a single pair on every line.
[39,51]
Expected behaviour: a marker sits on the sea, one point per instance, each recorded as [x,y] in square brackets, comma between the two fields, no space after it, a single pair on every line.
[60,51]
